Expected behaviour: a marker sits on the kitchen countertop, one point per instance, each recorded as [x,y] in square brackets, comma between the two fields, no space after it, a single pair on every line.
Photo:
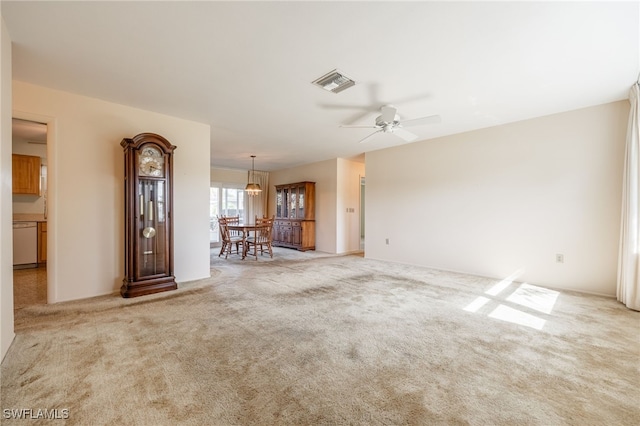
[29,217]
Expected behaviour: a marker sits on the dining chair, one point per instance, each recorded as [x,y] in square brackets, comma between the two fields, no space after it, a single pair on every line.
[260,236]
[232,220]
[228,239]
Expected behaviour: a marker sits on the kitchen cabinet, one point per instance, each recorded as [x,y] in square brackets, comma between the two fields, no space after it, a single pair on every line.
[42,242]
[26,174]
[295,225]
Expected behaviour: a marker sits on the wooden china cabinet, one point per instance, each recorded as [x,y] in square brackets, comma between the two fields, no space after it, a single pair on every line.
[295,225]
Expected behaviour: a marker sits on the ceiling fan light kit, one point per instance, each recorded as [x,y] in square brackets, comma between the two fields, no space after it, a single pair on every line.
[334,81]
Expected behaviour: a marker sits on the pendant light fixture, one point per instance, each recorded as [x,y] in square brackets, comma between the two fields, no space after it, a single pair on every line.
[252,188]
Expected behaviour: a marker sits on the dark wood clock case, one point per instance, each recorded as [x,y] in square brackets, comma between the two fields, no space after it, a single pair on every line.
[148,205]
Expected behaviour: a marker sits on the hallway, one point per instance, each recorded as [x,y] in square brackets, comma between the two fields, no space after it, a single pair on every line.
[29,287]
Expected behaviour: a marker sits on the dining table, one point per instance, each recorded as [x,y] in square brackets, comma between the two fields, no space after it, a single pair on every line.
[245,229]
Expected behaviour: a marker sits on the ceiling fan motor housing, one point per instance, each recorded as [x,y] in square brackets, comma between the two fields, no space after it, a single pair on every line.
[387,126]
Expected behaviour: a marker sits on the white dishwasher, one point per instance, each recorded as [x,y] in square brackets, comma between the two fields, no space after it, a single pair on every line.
[25,244]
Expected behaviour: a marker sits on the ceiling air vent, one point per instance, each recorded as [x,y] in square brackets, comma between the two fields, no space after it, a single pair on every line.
[335,82]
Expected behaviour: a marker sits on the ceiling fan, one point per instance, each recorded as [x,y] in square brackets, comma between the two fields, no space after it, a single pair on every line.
[389,122]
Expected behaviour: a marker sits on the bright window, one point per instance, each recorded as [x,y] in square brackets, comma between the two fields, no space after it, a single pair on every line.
[224,200]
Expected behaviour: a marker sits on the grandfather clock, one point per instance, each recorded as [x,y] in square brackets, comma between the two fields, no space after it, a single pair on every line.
[148,206]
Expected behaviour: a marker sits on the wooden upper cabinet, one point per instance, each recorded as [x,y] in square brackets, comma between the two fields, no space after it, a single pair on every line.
[296,201]
[26,174]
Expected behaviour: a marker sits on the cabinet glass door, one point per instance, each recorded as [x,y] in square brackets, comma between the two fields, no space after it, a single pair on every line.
[285,202]
[301,202]
[152,240]
[293,211]
[279,203]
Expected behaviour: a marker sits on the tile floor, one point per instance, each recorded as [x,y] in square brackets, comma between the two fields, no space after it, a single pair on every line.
[29,287]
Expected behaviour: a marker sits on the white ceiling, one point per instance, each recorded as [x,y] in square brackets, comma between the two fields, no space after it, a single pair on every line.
[246,68]
[29,131]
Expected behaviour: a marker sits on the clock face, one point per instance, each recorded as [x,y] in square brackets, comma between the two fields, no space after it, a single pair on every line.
[150,162]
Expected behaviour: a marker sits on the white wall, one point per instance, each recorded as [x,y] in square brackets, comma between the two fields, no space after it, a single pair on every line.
[6,229]
[337,189]
[324,174]
[506,199]
[348,206]
[85,203]
[228,176]
[22,146]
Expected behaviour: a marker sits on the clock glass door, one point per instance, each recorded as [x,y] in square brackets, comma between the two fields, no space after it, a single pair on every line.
[152,226]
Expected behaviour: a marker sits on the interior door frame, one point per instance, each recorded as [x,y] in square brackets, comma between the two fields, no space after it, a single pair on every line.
[52,260]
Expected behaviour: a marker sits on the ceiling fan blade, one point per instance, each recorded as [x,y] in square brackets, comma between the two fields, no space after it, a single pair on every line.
[367,137]
[431,119]
[388,113]
[359,127]
[404,134]
[358,117]
[336,106]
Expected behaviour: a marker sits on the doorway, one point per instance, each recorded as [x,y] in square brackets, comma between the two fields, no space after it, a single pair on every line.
[29,211]
[362,213]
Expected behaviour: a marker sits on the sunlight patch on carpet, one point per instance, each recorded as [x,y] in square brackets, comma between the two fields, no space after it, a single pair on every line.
[534,297]
[506,313]
[524,297]
[477,304]
[500,286]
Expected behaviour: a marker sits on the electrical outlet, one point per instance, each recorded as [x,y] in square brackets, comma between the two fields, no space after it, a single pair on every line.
[386,241]
[559,258]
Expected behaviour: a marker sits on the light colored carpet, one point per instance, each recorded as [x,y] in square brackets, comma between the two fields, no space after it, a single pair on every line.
[330,340]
